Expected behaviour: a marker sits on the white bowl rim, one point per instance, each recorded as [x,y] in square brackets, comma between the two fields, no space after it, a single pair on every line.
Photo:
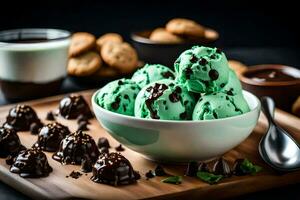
[258,105]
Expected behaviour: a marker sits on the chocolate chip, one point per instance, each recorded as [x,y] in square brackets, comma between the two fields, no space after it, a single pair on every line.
[229,92]
[213,56]
[150,174]
[192,169]
[203,61]
[104,150]
[203,167]
[213,74]
[219,50]
[35,127]
[159,171]
[103,142]
[183,115]
[120,82]
[86,165]
[222,85]
[50,116]
[168,75]
[126,96]
[120,148]
[174,97]
[75,174]
[82,126]
[115,105]
[237,170]
[221,167]
[81,118]
[188,73]
[193,58]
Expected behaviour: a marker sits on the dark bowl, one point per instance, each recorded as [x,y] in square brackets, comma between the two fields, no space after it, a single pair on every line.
[284,93]
[154,52]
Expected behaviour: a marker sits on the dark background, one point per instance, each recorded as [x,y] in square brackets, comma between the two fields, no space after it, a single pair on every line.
[254,32]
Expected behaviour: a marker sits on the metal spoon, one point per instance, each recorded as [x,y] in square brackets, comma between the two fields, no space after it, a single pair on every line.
[277,148]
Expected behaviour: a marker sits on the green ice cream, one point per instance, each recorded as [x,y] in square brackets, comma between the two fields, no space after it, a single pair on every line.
[233,86]
[202,69]
[166,100]
[150,73]
[119,96]
[219,105]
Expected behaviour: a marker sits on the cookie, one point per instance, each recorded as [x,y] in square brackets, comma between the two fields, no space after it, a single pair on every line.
[85,64]
[180,26]
[162,36]
[81,42]
[296,107]
[237,66]
[210,35]
[109,37]
[106,71]
[120,56]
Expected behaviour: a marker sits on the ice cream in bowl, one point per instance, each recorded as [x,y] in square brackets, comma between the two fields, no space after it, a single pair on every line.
[197,112]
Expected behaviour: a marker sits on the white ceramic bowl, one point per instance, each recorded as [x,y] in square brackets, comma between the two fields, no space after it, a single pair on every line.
[179,141]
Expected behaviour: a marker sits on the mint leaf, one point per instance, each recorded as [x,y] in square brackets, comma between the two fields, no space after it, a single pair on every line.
[249,168]
[173,180]
[209,177]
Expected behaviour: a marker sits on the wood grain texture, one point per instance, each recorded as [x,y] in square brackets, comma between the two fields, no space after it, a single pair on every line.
[57,186]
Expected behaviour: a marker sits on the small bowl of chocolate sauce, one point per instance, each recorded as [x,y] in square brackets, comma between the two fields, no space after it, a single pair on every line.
[32,62]
[280,82]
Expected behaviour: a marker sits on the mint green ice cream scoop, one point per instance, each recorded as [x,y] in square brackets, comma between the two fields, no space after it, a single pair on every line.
[219,105]
[164,100]
[202,69]
[152,72]
[119,96]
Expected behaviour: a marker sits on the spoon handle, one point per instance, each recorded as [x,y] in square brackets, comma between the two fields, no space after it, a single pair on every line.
[268,108]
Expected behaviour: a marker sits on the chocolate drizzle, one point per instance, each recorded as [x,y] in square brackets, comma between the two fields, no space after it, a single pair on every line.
[75,147]
[31,163]
[51,135]
[155,92]
[10,144]
[20,118]
[72,106]
[113,169]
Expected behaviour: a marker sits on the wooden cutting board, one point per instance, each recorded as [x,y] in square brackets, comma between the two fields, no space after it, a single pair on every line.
[57,186]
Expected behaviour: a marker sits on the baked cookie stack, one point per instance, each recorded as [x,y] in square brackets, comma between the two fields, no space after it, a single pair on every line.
[106,56]
[180,30]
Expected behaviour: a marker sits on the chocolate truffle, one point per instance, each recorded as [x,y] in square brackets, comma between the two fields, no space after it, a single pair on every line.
[10,144]
[31,163]
[75,147]
[113,169]
[51,135]
[73,106]
[221,167]
[20,118]
[103,142]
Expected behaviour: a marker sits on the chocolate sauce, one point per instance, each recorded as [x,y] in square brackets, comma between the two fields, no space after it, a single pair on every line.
[75,147]
[155,92]
[10,144]
[221,167]
[272,75]
[113,169]
[103,142]
[72,106]
[21,117]
[168,75]
[31,163]
[51,135]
